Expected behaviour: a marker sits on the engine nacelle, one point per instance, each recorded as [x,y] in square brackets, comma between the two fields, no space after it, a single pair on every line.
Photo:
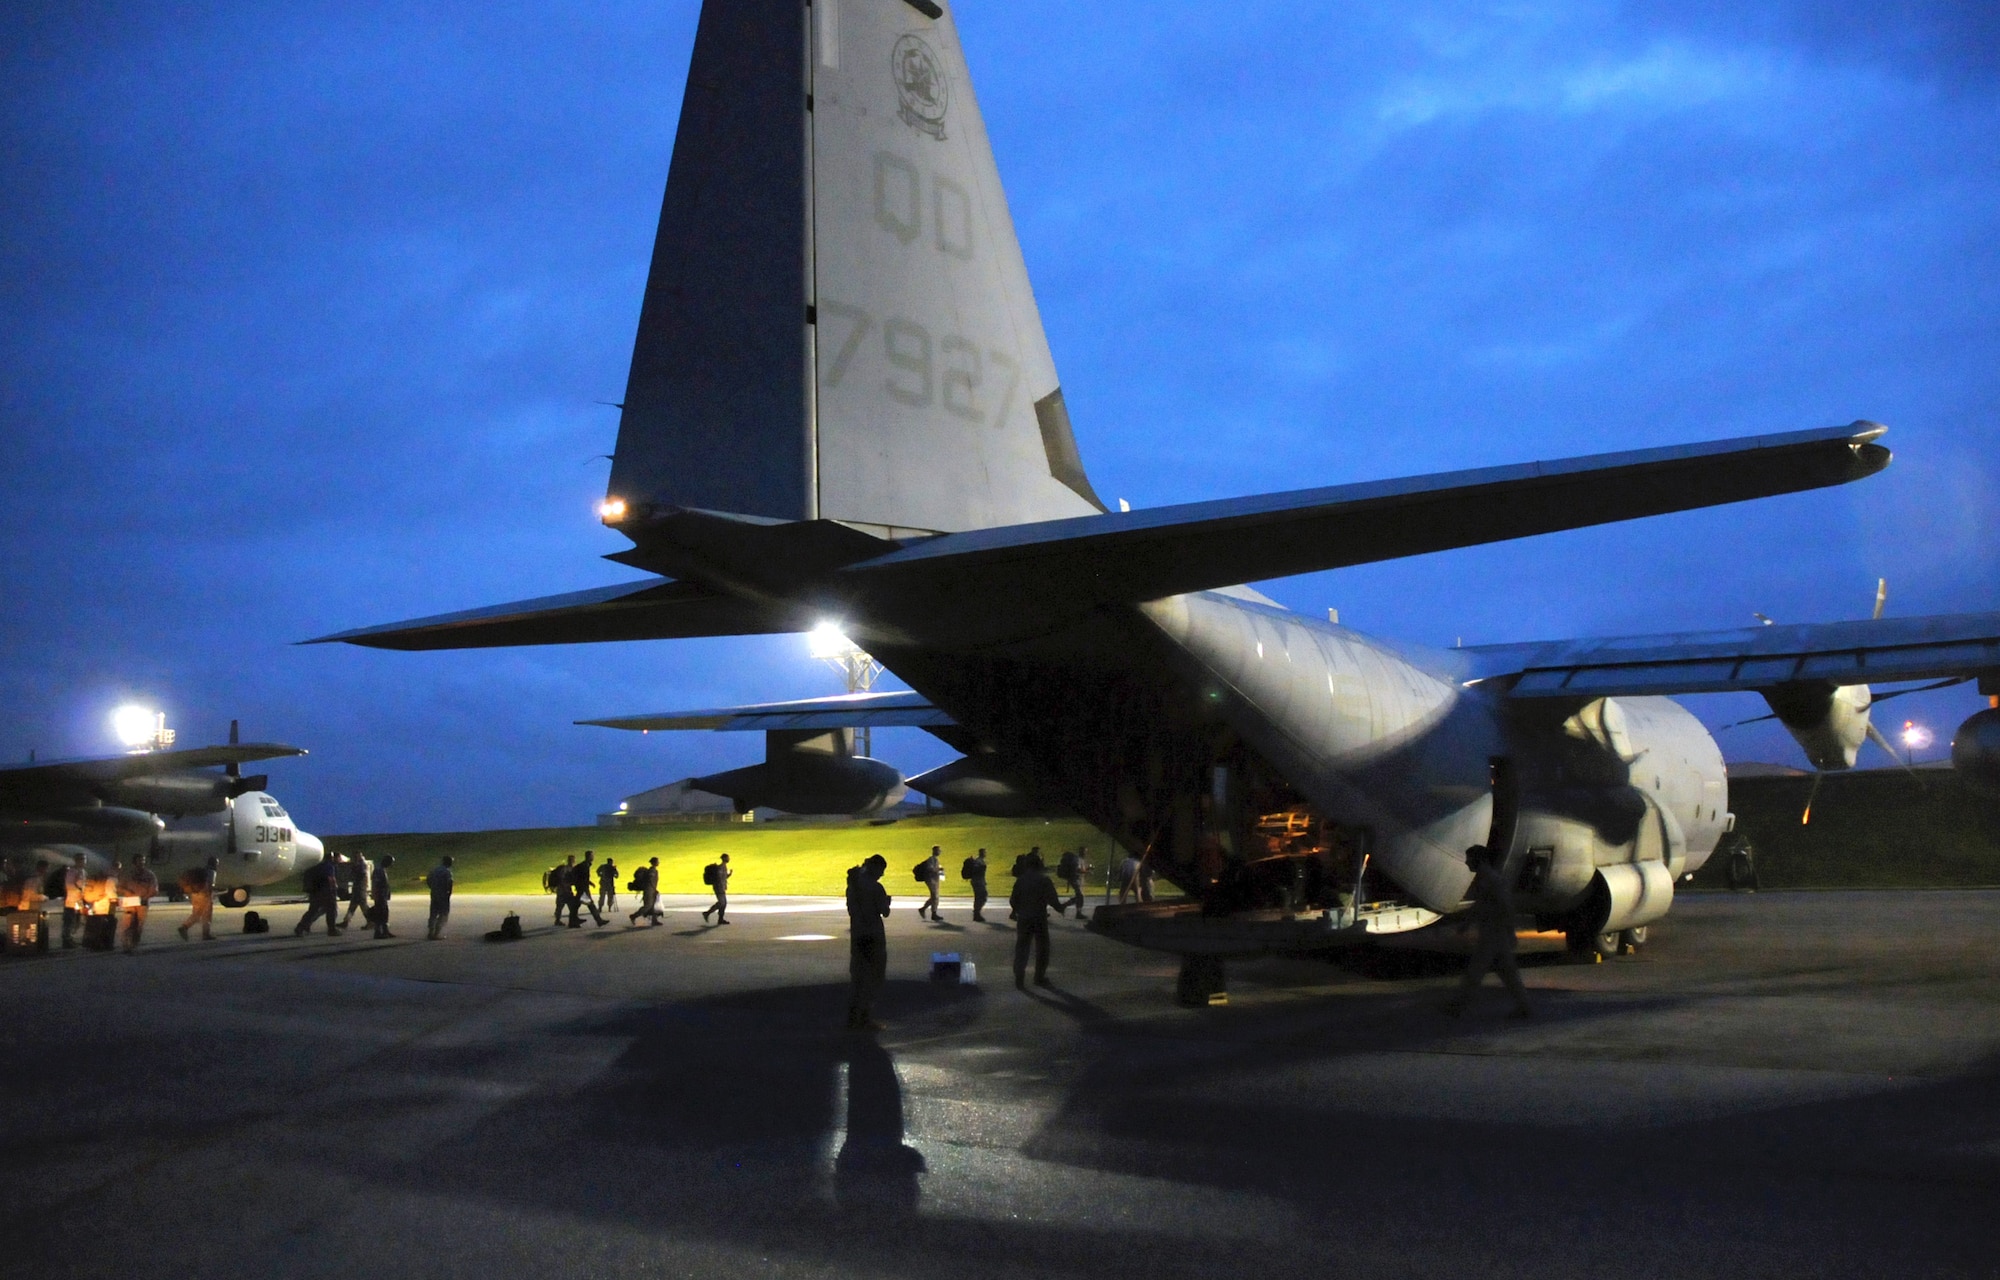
[1829,721]
[1975,752]
[806,772]
[975,786]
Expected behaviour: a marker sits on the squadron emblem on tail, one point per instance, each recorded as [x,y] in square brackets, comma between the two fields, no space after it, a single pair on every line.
[920,86]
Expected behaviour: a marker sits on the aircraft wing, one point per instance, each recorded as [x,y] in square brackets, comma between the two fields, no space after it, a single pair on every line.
[849,711]
[139,765]
[652,609]
[1145,555]
[1881,651]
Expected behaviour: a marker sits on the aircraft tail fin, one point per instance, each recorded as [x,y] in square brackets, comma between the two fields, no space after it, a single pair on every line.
[838,323]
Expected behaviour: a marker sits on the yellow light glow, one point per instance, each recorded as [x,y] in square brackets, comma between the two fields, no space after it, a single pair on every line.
[134,724]
[827,641]
[611,510]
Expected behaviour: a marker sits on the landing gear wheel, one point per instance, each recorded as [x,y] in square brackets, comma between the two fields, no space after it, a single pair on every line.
[1591,946]
[237,897]
[1631,940]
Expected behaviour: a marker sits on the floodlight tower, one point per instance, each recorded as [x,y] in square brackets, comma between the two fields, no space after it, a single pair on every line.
[830,645]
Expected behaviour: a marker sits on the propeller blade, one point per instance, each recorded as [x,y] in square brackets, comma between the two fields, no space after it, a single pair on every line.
[1876,736]
[1881,596]
[1752,720]
[233,769]
[1942,684]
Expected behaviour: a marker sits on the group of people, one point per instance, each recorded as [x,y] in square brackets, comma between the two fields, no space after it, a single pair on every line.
[572,883]
[366,891]
[1071,869]
[1033,897]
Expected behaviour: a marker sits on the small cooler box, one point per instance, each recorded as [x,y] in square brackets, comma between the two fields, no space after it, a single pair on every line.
[27,933]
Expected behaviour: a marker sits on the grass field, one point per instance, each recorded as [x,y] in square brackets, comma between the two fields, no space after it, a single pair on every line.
[768,857]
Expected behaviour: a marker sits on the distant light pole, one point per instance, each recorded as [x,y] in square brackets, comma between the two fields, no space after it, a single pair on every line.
[1915,739]
[858,670]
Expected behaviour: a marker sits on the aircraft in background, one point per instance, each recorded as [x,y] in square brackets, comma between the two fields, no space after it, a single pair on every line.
[172,804]
[842,408]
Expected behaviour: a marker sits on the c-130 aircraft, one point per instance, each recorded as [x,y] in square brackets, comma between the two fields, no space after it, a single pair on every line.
[842,406]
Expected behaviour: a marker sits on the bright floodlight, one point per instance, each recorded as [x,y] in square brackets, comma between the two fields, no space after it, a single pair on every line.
[1915,736]
[133,724]
[611,510]
[826,641]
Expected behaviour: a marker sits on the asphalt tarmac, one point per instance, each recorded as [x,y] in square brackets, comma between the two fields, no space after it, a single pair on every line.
[1782,1084]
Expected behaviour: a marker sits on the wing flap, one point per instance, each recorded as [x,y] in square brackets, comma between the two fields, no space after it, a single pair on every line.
[1881,651]
[850,711]
[653,609]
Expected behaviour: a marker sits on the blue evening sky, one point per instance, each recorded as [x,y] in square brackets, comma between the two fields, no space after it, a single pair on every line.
[304,310]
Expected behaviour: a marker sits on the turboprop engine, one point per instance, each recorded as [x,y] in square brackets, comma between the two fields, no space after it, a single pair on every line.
[1975,752]
[807,771]
[1829,721]
[979,785]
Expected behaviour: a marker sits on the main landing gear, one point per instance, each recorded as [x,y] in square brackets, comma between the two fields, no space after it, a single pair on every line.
[1592,946]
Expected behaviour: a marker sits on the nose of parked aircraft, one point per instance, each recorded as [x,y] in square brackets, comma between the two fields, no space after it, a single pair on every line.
[310,851]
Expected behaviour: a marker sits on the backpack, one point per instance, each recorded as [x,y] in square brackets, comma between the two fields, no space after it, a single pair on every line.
[1069,865]
[971,870]
[632,885]
[708,873]
[922,871]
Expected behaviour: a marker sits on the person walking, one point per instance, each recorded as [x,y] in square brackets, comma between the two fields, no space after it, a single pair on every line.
[647,883]
[1033,897]
[322,898]
[379,893]
[929,873]
[581,898]
[867,940]
[1493,915]
[607,886]
[1128,878]
[354,880]
[974,872]
[721,882]
[200,886]
[1071,868]
[439,881]
[559,881]
[137,888]
[1146,873]
[73,881]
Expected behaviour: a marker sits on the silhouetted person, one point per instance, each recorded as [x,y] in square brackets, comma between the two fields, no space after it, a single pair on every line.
[559,881]
[1493,916]
[1146,874]
[355,879]
[867,940]
[1033,898]
[200,886]
[1743,867]
[379,894]
[647,878]
[1071,869]
[974,872]
[74,877]
[580,896]
[929,872]
[439,881]
[721,905]
[607,885]
[136,890]
[322,897]
[1020,866]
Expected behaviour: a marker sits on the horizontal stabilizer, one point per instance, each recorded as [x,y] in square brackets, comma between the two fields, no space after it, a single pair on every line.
[849,711]
[142,764]
[1882,651]
[654,609]
[1144,555]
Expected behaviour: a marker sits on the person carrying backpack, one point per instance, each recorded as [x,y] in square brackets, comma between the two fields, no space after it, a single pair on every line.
[929,872]
[717,874]
[974,872]
[607,886]
[646,883]
[1070,869]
